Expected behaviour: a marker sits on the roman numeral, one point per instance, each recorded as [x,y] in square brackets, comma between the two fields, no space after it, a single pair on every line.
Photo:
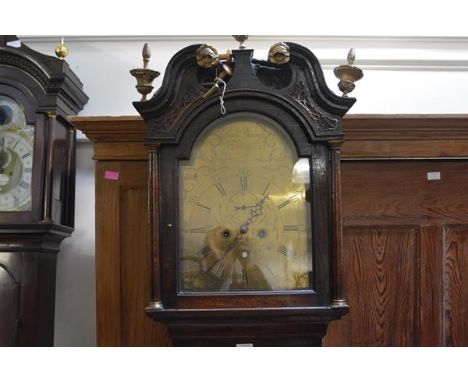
[203,206]
[266,188]
[24,184]
[26,155]
[14,146]
[285,251]
[284,204]
[218,268]
[220,188]
[243,180]
[200,230]
[205,251]
[292,198]
[28,169]
[290,228]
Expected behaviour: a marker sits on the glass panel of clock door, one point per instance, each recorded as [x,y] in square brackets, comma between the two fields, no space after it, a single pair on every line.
[244,211]
[16,157]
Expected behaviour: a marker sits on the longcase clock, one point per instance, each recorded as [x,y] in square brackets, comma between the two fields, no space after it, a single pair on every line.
[245,224]
[37,181]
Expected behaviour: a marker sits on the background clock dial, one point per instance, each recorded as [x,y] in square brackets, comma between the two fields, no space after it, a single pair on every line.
[16,157]
[245,221]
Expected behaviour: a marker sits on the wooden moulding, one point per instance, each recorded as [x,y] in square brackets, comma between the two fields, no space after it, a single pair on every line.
[114,138]
[367,136]
[376,136]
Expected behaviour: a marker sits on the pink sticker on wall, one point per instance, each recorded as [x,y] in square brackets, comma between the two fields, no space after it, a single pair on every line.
[111,175]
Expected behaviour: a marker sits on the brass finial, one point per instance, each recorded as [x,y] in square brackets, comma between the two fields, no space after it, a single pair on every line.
[146,53]
[348,74]
[351,57]
[279,53]
[61,51]
[144,76]
[241,39]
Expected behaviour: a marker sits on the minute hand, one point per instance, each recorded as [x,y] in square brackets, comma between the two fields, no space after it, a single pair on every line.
[255,211]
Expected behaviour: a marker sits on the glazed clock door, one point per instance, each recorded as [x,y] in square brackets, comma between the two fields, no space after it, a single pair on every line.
[244,207]
[16,157]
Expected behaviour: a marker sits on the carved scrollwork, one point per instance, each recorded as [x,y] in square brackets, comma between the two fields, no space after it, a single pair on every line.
[301,95]
[7,58]
[189,95]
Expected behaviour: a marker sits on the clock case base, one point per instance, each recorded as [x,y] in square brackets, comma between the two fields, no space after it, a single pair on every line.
[28,260]
[248,327]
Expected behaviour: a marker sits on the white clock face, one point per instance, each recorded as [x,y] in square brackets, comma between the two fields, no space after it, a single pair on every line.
[16,157]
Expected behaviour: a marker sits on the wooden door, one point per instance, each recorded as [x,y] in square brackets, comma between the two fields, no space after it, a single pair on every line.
[406,254]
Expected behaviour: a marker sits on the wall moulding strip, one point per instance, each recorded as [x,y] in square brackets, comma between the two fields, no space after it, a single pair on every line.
[438,45]
[363,41]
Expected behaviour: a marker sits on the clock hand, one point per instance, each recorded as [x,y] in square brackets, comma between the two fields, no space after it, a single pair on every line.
[243,228]
[258,204]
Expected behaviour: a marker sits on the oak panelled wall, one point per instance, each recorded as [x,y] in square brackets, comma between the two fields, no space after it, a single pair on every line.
[405,247]
[405,238]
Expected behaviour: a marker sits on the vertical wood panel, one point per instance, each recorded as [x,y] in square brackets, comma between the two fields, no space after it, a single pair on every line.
[138,329]
[122,262]
[381,268]
[108,310]
[456,286]
[430,286]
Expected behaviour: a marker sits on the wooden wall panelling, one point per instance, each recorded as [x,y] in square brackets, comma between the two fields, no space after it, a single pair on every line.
[382,194]
[381,267]
[430,285]
[455,276]
[405,136]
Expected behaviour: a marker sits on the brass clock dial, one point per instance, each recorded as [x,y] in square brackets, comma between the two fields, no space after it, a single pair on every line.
[16,157]
[245,221]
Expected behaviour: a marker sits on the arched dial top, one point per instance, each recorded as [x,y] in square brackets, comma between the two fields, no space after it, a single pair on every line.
[244,209]
[16,157]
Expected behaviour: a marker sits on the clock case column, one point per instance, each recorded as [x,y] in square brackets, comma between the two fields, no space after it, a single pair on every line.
[49,92]
[295,96]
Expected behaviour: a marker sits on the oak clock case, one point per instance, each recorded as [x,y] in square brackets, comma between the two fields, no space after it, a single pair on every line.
[244,209]
[37,180]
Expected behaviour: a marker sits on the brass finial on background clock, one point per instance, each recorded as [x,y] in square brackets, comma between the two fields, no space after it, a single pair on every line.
[279,53]
[348,74]
[241,39]
[61,51]
[145,76]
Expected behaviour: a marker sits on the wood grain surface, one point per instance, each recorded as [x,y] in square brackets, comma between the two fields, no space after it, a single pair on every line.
[456,286]
[381,268]
[122,261]
[380,199]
